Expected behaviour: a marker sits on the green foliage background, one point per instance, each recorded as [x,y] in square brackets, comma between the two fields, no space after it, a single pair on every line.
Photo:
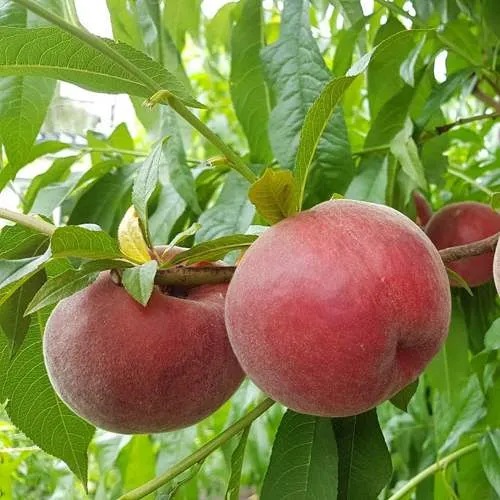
[258,71]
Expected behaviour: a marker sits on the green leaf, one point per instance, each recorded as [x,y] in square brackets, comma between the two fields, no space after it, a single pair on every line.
[232,212]
[457,280]
[69,282]
[297,73]
[492,337]
[145,184]
[79,241]
[23,100]
[35,409]
[13,273]
[56,172]
[364,461]
[214,249]
[183,235]
[405,150]
[12,322]
[139,281]
[452,421]
[304,460]
[113,192]
[248,89]
[449,370]
[407,68]
[371,182]
[181,17]
[352,10]
[10,171]
[37,52]
[274,195]
[233,486]
[18,241]
[218,29]
[491,17]
[490,457]
[345,47]
[402,399]
[315,123]
[458,37]
[174,159]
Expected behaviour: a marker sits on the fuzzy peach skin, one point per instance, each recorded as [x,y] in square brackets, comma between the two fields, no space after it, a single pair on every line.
[496,268]
[423,209]
[461,223]
[336,309]
[133,369]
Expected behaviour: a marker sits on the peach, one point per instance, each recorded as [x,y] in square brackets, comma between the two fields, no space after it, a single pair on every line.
[423,209]
[133,369]
[461,223]
[336,309]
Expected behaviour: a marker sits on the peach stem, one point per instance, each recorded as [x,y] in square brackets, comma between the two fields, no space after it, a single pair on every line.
[470,249]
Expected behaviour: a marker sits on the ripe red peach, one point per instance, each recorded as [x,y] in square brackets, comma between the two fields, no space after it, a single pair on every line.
[461,223]
[336,309]
[423,208]
[133,369]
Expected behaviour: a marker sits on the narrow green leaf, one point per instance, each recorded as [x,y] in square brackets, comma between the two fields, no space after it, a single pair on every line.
[490,457]
[248,89]
[145,184]
[79,241]
[453,420]
[139,281]
[18,241]
[181,17]
[12,322]
[403,147]
[233,486]
[69,282]
[304,460]
[457,280]
[364,461]
[56,172]
[315,123]
[183,235]
[13,273]
[214,249]
[274,195]
[402,399]
[81,64]
[34,407]
[407,68]
[232,212]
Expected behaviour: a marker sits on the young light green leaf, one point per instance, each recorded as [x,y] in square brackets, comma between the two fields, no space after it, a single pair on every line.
[492,337]
[402,399]
[181,17]
[81,64]
[315,123]
[233,486]
[69,282]
[139,281]
[304,460]
[35,409]
[364,461]
[490,457]
[79,241]
[12,322]
[145,184]
[403,147]
[274,195]
[214,249]
[453,420]
[248,89]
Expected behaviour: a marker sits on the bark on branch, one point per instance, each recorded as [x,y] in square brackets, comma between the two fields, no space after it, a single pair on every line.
[188,277]
[470,249]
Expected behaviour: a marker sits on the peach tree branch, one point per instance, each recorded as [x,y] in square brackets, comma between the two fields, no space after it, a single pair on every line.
[470,249]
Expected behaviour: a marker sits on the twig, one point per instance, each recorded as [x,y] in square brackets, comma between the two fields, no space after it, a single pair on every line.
[28,221]
[469,180]
[486,99]
[470,249]
[188,277]
[200,454]
[442,129]
[440,464]
[19,450]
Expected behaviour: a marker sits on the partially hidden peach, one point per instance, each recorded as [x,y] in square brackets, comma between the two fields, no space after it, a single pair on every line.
[133,369]
[460,223]
[423,209]
[336,309]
